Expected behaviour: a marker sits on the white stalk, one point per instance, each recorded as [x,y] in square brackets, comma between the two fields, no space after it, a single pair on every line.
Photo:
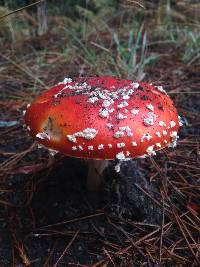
[95,174]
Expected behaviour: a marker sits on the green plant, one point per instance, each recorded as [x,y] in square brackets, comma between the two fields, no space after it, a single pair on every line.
[132,57]
[192,47]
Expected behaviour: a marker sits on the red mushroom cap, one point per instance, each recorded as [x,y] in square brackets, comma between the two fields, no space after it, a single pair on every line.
[103,118]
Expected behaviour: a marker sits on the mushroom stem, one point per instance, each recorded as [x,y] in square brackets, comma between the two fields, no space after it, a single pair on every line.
[95,174]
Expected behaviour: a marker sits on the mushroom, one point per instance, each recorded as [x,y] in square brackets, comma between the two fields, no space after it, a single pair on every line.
[102,119]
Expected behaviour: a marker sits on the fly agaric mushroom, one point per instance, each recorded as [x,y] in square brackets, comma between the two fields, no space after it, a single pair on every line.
[103,118]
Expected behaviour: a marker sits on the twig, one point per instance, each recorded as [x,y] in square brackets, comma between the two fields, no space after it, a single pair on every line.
[50,254]
[108,255]
[136,2]
[74,220]
[179,222]
[154,200]
[127,236]
[20,9]
[161,232]
[67,247]
[24,70]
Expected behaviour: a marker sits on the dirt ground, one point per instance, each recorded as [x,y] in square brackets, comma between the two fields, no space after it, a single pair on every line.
[147,215]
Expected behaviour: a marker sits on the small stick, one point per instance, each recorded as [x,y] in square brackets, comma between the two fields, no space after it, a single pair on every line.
[67,247]
[74,220]
[162,228]
[20,9]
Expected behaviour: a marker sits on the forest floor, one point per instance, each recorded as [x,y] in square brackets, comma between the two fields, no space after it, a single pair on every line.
[147,215]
